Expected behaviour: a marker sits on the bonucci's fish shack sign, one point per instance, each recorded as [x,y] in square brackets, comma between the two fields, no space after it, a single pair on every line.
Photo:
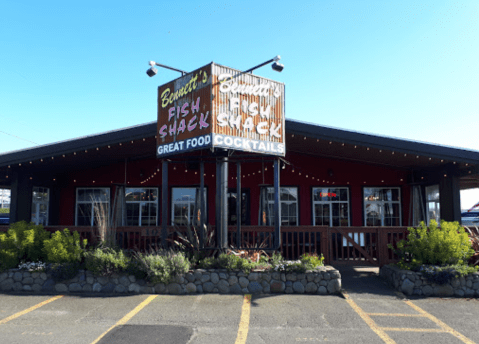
[216,106]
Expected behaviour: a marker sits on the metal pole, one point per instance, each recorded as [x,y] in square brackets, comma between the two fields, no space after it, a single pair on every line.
[277,209]
[202,204]
[219,233]
[239,197]
[164,202]
[224,201]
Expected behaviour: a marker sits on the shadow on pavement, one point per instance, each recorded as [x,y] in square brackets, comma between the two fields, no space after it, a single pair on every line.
[363,280]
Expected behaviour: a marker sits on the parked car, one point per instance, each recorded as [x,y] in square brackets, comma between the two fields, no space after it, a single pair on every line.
[470,218]
[4,219]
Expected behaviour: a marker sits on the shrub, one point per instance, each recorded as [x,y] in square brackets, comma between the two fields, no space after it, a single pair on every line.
[8,259]
[64,247]
[106,261]
[443,274]
[163,266]
[229,262]
[22,241]
[445,245]
[312,261]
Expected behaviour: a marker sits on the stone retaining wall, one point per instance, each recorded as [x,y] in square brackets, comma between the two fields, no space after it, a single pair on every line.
[324,280]
[414,283]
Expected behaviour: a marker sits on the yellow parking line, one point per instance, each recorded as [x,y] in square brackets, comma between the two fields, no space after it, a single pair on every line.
[244,321]
[368,320]
[405,329]
[394,315]
[445,327]
[127,317]
[19,314]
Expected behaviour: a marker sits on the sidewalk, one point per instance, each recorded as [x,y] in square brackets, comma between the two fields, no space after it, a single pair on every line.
[364,281]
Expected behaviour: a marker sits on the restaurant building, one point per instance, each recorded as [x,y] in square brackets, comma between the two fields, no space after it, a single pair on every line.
[222,134]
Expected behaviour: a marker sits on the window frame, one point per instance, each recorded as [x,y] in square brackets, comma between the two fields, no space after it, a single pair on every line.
[140,203]
[172,203]
[92,219]
[37,204]
[330,203]
[247,207]
[381,204]
[436,202]
[270,204]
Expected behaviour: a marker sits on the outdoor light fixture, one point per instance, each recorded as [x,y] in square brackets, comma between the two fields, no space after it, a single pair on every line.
[276,66]
[152,71]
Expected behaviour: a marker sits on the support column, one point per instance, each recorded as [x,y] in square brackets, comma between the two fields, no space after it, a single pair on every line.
[222,201]
[277,208]
[450,198]
[21,198]
[164,203]
[202,205]
[239,199]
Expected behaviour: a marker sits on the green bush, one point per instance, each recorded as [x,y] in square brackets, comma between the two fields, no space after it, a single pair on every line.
[445,245]
[106,261]
[312,261]
[64,247]
[163,266]
[24,241]
[8,259]
[229,262]
[4,210]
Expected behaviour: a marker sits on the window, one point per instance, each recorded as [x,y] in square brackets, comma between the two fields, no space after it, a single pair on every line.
[432,203]
[232,217]
[141,206]
[92,204]
[331,207]
[382,207]
[185,207]
[288,199]
[40,199]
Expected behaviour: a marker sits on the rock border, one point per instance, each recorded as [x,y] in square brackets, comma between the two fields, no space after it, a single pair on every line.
[324,280]
[414,283]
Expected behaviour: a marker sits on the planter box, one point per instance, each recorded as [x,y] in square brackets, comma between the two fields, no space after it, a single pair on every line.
[324,280]
[414,283]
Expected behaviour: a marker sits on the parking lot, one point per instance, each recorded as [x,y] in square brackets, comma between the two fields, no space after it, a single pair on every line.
[213,318]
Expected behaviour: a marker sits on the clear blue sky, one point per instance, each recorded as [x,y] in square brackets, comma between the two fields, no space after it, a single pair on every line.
[408,69]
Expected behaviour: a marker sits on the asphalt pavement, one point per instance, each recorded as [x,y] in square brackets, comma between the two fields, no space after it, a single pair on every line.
[368,311]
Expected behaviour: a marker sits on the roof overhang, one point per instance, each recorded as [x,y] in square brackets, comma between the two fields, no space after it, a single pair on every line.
[138,142]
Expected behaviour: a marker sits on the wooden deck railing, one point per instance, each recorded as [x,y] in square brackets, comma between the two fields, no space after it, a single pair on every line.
[350,245]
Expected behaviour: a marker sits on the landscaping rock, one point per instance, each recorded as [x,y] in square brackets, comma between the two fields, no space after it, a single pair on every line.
[61,288]
[255,287]
[75,287]
[190,288]
[243,282]
[407,287]
[298,287]
[277,286]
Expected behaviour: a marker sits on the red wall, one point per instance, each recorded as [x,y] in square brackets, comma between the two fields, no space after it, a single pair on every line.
[343,173]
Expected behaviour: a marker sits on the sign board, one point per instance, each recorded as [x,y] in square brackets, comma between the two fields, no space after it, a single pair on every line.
[216,106]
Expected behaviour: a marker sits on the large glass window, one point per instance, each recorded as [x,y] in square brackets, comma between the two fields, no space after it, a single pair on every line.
[92,204]
[141,206]
[331,207]
[40,200]
[432,203]
[232,200]
[288,199]
[185,208]
[382,207]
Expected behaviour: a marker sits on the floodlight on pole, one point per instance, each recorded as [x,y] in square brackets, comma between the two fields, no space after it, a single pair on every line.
[276,66]
[152,71]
